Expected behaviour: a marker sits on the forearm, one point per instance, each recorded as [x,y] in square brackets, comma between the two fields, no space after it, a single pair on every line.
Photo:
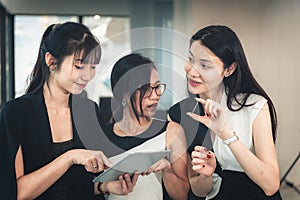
[263,174]
[176,186]
[34,184]
[201,185]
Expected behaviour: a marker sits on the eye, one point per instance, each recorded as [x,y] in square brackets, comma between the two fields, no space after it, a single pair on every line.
[191,60]
[78,67]
[205,66]
[93,67]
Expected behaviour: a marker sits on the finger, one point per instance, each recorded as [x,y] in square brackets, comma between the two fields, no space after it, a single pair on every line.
[207,107]
[198,167]
[100,166]
[105,160]
[195,154]
[128,182]
[123,185]
[198,155]
[200,148]
[196,117]
[95,166]
[202,101]
[198,161]
[214,113]
[210,107]
[208,155]
[202,119]
[135,178]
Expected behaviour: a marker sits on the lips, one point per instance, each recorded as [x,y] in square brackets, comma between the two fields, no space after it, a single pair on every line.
[81,85]
[153,107]
[194,83]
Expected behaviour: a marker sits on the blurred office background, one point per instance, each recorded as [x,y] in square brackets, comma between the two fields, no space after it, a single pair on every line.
[269,31]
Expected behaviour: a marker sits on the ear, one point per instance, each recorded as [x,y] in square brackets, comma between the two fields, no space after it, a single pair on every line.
[228,71]
[50,61]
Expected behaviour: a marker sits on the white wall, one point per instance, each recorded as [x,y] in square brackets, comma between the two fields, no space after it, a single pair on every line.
[270,34]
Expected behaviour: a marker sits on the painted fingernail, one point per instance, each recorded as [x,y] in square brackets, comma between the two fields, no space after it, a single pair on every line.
[204,149]
[208,156]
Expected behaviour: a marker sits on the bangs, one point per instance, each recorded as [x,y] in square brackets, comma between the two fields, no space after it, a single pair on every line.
[88,51]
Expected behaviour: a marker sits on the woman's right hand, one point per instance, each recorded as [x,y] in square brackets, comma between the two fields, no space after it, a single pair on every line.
[203,161]
[93,161]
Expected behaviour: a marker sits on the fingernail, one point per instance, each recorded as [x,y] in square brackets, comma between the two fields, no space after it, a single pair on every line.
[204,149]
[208,156]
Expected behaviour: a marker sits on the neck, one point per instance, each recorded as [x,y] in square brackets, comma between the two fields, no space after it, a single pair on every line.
[54,97]
[129,125]
[215,95]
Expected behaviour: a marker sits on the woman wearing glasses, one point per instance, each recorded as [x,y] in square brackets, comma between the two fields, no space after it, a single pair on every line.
[137,89]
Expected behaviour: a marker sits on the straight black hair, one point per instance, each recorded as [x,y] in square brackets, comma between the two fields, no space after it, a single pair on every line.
[224,43]
[130,74]
[62,40]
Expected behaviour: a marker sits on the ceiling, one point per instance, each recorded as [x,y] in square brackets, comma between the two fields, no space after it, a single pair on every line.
[63,7]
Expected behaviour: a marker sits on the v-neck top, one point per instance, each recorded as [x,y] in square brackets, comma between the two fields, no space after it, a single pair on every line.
[24,121]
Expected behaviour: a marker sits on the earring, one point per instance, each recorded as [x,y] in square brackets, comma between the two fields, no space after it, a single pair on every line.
[123,102]
[52,69]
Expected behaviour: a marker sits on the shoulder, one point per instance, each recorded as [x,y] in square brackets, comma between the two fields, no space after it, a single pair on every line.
[252,101]
[181,106]
[173,128]
[19,104]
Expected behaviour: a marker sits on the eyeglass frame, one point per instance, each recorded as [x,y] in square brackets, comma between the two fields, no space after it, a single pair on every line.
[154,88]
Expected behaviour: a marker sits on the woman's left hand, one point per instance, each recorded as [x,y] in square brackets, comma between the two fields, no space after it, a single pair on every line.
[158,166]
[215,115]
[123,186]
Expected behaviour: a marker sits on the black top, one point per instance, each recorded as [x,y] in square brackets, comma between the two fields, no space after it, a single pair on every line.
[62,188]
[120,144]
[195,132]
[24,121]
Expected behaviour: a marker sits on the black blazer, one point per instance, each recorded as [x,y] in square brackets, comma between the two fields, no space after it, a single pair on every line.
[24,121]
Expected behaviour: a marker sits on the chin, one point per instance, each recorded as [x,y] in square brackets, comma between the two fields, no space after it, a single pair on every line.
[74,91]
[193,90]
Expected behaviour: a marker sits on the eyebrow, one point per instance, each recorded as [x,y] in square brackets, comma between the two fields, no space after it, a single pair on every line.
[155,82]
[205,60]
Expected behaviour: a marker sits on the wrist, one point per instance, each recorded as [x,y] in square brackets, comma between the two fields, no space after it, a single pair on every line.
[69,158]
[102,189]
[226,134]
[232,139]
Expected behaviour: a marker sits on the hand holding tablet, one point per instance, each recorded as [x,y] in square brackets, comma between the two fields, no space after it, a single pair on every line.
[133,162]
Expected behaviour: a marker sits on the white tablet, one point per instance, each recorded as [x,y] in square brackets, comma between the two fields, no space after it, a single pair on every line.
[133,162]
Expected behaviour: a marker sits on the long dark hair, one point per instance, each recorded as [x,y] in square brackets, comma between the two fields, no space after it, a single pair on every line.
[224,43]
[130,74]
[62,40]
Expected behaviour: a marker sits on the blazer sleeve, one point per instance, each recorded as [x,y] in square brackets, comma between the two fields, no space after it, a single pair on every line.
[9,143]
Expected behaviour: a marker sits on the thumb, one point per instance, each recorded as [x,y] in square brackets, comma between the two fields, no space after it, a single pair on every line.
[202,101]
[199,118]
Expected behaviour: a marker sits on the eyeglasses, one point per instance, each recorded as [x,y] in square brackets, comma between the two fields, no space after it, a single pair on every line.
[159,89]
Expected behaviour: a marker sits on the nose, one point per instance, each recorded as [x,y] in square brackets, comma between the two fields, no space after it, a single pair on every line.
[154,96]
[87,74]
[191,70]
